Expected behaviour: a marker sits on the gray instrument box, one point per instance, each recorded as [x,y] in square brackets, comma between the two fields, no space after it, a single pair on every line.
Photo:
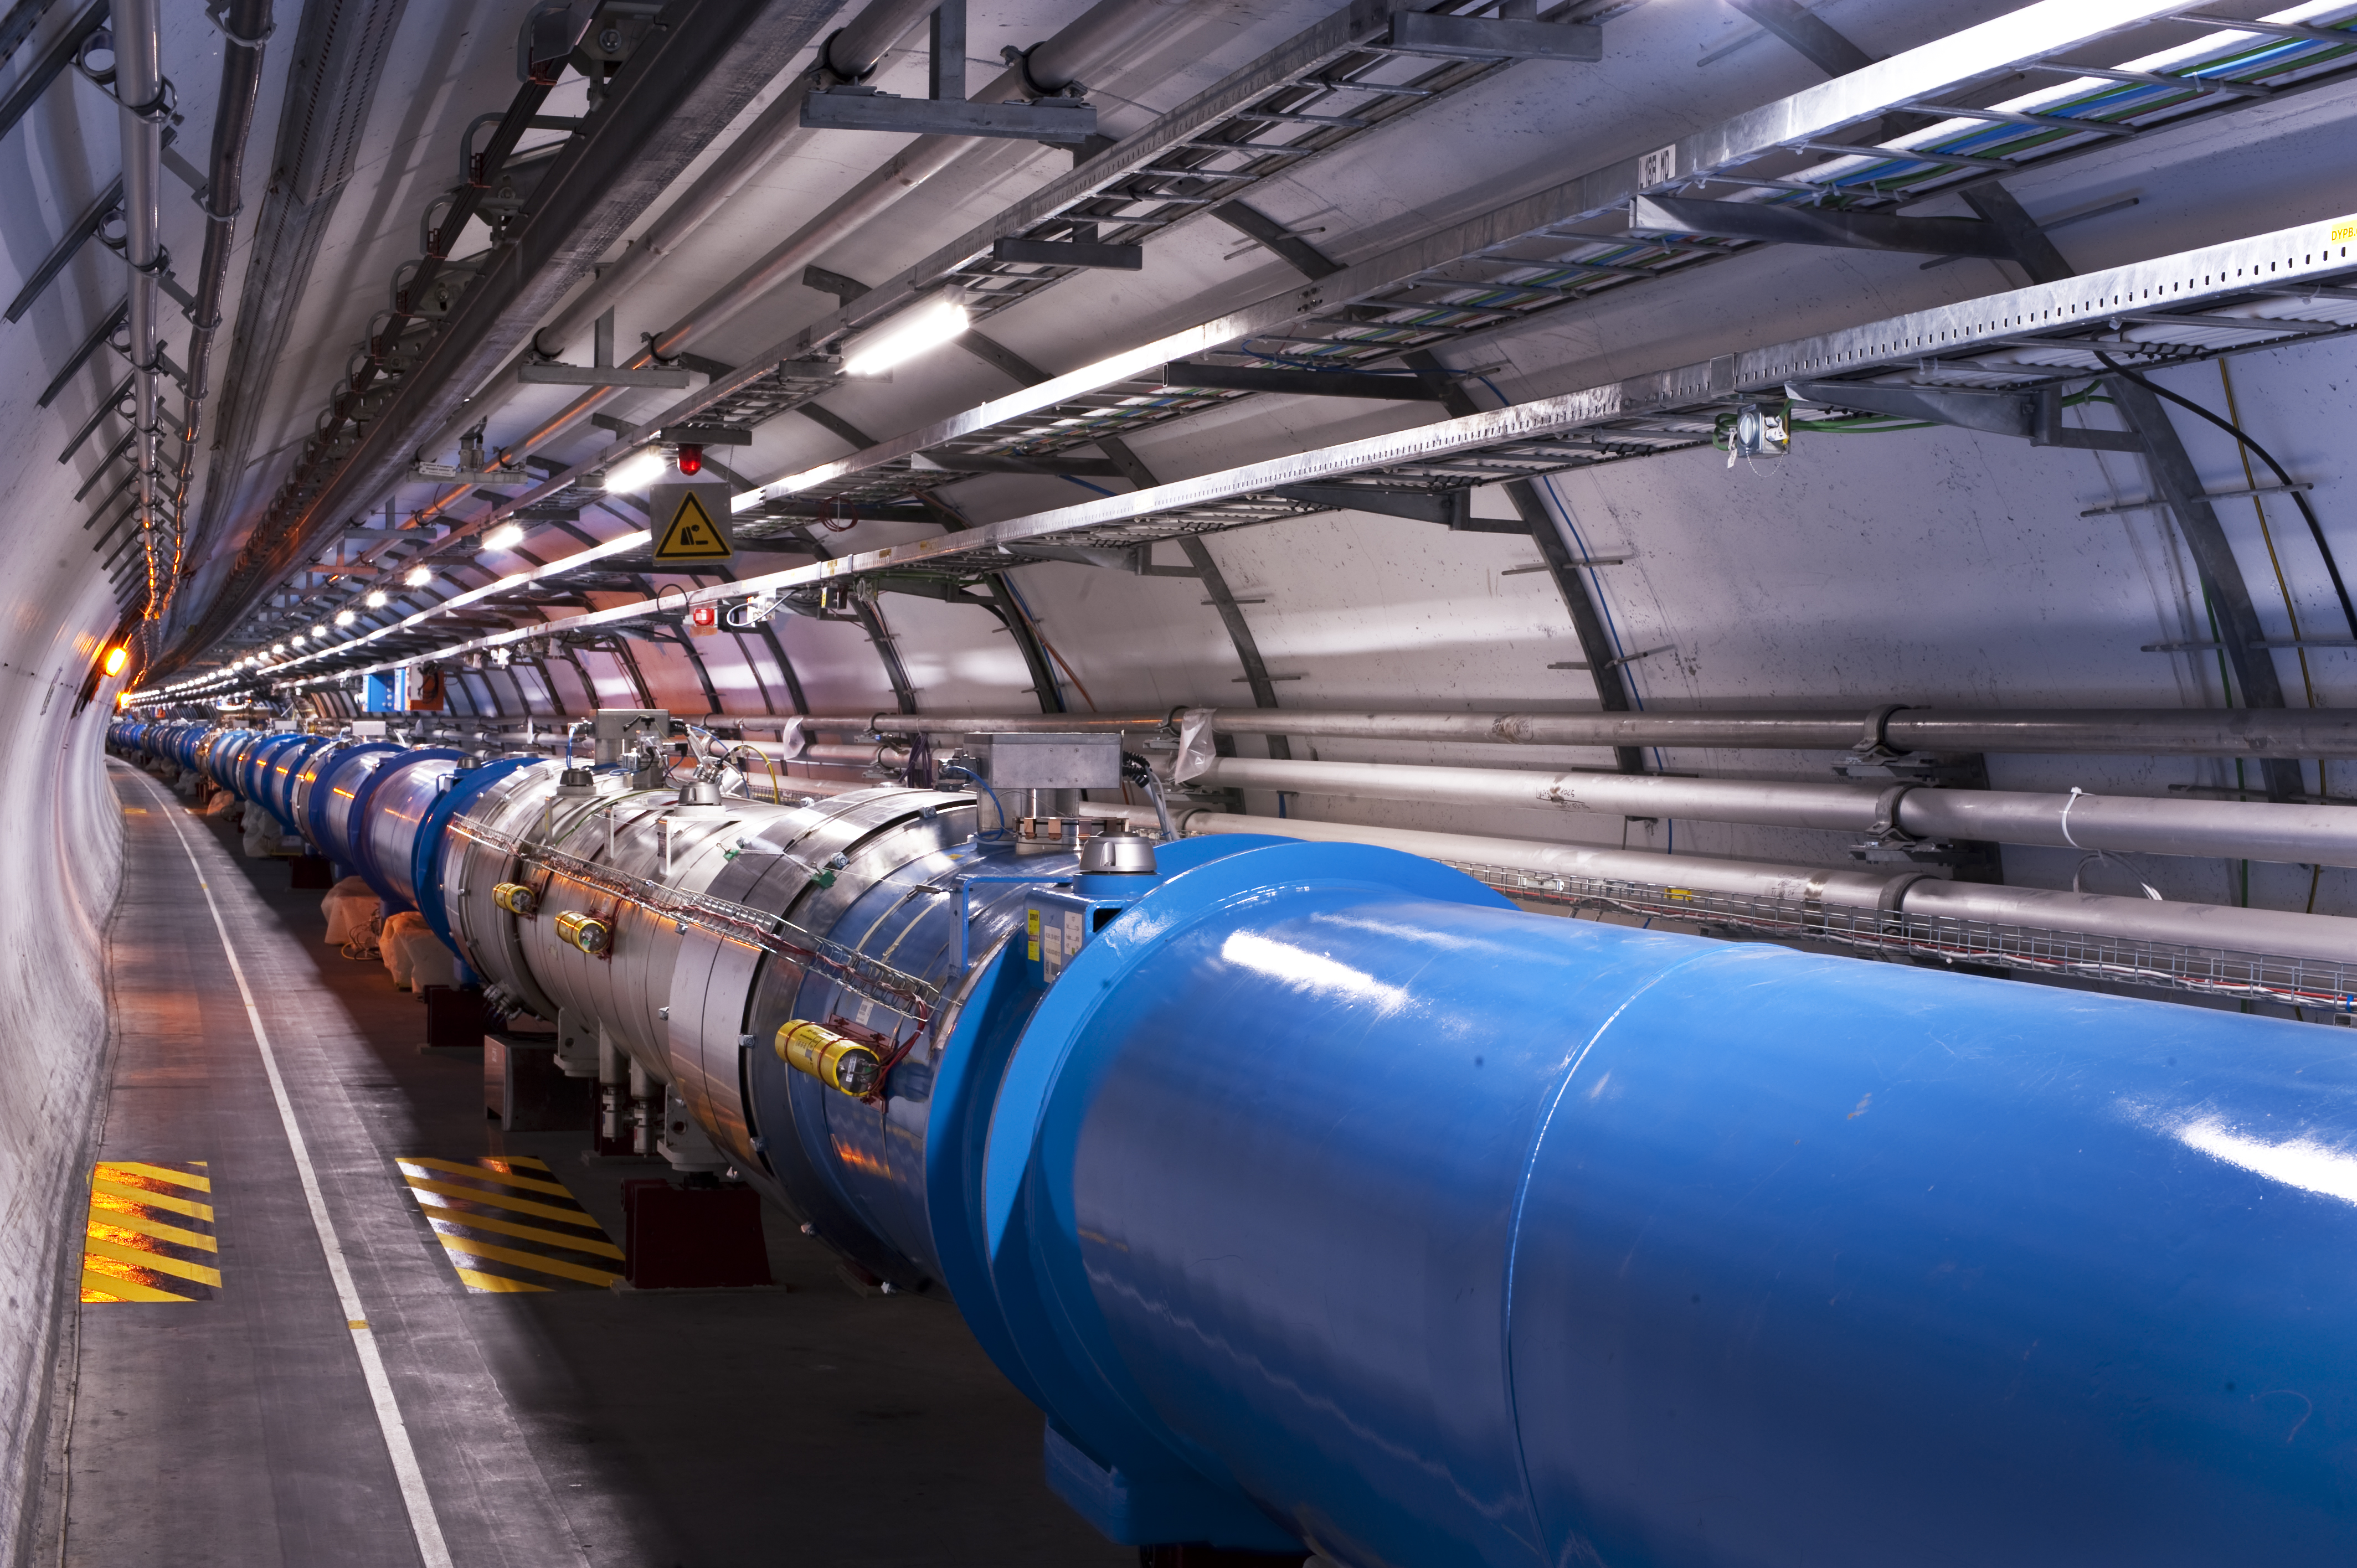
[1047,761]
[616,730]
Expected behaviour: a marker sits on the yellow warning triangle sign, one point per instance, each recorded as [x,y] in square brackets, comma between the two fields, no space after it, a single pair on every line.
[692,535]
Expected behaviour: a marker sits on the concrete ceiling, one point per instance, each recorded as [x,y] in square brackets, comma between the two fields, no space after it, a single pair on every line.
[1928,565]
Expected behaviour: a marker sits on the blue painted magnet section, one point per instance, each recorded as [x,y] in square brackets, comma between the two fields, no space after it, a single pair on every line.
[338,773]
[1440,1232]
[368,805]
[426,848]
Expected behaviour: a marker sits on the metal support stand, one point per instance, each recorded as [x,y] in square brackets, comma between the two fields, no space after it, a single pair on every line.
[645,1117]
[610,1135]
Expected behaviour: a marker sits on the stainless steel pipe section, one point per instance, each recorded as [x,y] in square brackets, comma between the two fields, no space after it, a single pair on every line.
[851,53]
[1854,888]
[2329,733]
[1097,37]
[2235,830]
[139,91]
[2326,937]
[852,50]
[2285,933]
[2141,732]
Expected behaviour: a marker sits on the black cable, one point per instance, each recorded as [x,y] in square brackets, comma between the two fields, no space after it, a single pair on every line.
[2299,499]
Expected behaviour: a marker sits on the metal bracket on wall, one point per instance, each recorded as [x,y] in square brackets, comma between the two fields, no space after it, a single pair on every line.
[1794,225]
[2035,415]
[1081,250]
[1503,37]
[851,106]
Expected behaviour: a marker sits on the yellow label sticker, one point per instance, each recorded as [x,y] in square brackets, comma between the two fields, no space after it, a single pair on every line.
[1034,954]
[692,535]
[1031,922]
[2344,233]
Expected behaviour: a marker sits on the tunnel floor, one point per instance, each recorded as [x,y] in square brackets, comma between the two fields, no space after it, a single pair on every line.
[805,1424]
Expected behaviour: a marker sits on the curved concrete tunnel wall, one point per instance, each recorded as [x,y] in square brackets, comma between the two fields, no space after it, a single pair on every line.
[58,883]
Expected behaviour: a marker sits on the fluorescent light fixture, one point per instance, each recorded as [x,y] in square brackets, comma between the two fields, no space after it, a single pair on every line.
[506,536]
[319,631]
[637,473]
[419,577]
[298,640]
[345,618]
[906,335]
[376,601]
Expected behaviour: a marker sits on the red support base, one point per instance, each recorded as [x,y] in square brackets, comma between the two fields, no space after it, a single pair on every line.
[523,1088]
[691,1238]
[453,1018]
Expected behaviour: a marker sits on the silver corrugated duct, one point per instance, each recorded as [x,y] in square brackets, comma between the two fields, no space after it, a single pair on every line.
[2305,732]
[2236,829]
[139,91]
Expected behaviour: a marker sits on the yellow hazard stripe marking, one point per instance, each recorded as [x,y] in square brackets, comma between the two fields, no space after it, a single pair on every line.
[98,1246]
[532,1261]
[107,1287]
[529,1233]
[475,1279]
[153,1173]
[537,1164]
[188,1207]
[502,1200]
[114,1218]
[481,1174]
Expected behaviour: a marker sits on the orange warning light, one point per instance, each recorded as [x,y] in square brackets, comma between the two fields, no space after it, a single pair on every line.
[116,658]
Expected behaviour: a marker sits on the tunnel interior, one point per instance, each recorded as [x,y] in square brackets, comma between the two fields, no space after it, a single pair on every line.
[1510,781]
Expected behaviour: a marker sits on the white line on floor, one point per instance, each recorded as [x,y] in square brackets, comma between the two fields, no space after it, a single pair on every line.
[423,1522]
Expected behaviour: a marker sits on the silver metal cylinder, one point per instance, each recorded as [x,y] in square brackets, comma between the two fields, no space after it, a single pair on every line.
[1858,889]
[2284,933]
[2328,733]
[1914,892]
[2243,830]
[1094,41]
[853,53]
[644,1117]
[613,1082]
[139,89]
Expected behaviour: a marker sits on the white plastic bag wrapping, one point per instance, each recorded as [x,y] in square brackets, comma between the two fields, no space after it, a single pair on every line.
[262,835]
[414,955]
[224,804]
[350,905]
[431,963]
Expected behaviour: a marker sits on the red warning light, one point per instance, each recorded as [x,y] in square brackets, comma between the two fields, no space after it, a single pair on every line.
[691,460]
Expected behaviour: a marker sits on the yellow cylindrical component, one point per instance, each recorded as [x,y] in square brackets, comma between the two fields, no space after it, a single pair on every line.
[587,932]
[835,1061]
[516,899]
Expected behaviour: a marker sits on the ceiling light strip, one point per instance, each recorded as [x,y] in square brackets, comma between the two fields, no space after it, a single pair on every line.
[2281,261]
